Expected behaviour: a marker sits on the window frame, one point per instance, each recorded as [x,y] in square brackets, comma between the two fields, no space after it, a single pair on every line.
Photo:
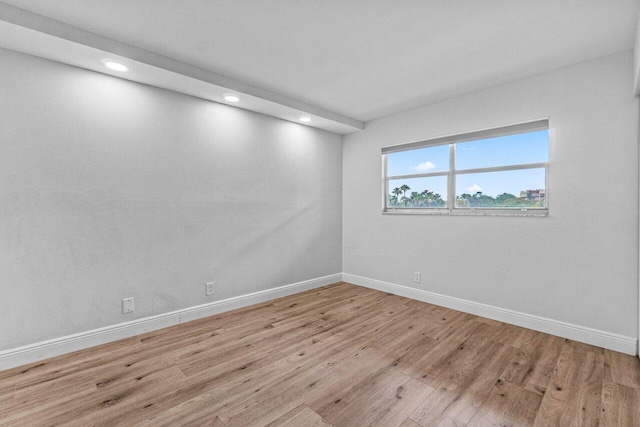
[452,172]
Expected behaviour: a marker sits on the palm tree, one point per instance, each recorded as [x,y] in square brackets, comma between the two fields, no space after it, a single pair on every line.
[404,190]
[427,197]
[415,199]
[432,199]
[396,192]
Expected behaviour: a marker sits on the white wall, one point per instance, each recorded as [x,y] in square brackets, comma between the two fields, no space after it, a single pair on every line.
[579,265]
[111,189]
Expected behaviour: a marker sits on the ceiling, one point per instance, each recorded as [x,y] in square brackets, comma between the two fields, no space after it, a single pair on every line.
[349,61]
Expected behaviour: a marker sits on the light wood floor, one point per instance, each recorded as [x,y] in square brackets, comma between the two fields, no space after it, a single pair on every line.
[341,355]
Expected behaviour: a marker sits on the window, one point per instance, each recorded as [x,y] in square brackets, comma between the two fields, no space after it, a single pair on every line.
[497,171]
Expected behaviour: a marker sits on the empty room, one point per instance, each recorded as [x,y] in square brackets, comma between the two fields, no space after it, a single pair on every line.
[319,213]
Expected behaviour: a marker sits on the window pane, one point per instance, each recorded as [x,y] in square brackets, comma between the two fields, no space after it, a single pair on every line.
[428,192]
[422,160]
[531,147]
[508,189]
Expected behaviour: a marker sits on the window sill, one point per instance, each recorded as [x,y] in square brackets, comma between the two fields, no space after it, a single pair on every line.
[469,212]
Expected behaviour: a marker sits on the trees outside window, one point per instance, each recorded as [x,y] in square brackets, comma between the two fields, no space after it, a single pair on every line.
[503,169]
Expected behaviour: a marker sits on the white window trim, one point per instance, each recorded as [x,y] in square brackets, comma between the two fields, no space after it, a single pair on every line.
[452,140]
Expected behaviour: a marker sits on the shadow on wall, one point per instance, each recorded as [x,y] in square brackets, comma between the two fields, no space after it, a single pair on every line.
[74,257]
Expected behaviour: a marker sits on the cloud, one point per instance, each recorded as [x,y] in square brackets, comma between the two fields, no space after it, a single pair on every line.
[474,189]
[424,166]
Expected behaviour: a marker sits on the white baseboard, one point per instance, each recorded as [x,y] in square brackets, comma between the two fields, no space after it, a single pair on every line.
[608,340]
[55,347]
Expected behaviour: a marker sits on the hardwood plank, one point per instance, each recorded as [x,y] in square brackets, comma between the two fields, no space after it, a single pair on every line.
[257,396]
[400,329]
[321,303]
[622,368]
[533,365]
[574,393]
[56,368]
[508,405]
[583,347]
[135,398]
[620,405]
[353,328]
[198,411]
[407,352]
[6,401]
[202,398]
[512,335]
[350,376]
[52,394]
[488,321]
[217,422]
[571,405]
[237,353]
[393,408]
[226,391]
[458,397]
[60,390]
[443,322]
[265,400]
[462,350]
[338,355]
[234,368]
[382,399]
[577,366]
[300,416]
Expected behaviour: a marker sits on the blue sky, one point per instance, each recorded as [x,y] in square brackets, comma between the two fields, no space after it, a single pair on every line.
[530,147]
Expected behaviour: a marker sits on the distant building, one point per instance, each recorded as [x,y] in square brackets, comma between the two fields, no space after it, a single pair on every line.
[534,195]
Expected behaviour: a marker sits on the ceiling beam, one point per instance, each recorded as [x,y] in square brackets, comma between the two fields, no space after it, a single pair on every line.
[37,35]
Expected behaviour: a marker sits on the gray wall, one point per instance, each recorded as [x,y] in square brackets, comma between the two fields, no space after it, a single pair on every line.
[111,189]
[579,265]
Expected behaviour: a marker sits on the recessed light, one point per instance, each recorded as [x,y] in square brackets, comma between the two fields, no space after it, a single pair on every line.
[231,98]
[305,119]
[115,66]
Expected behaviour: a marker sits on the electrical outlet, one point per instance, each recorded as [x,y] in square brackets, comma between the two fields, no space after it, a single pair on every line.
[416,277]
[210,288]
[127,305]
